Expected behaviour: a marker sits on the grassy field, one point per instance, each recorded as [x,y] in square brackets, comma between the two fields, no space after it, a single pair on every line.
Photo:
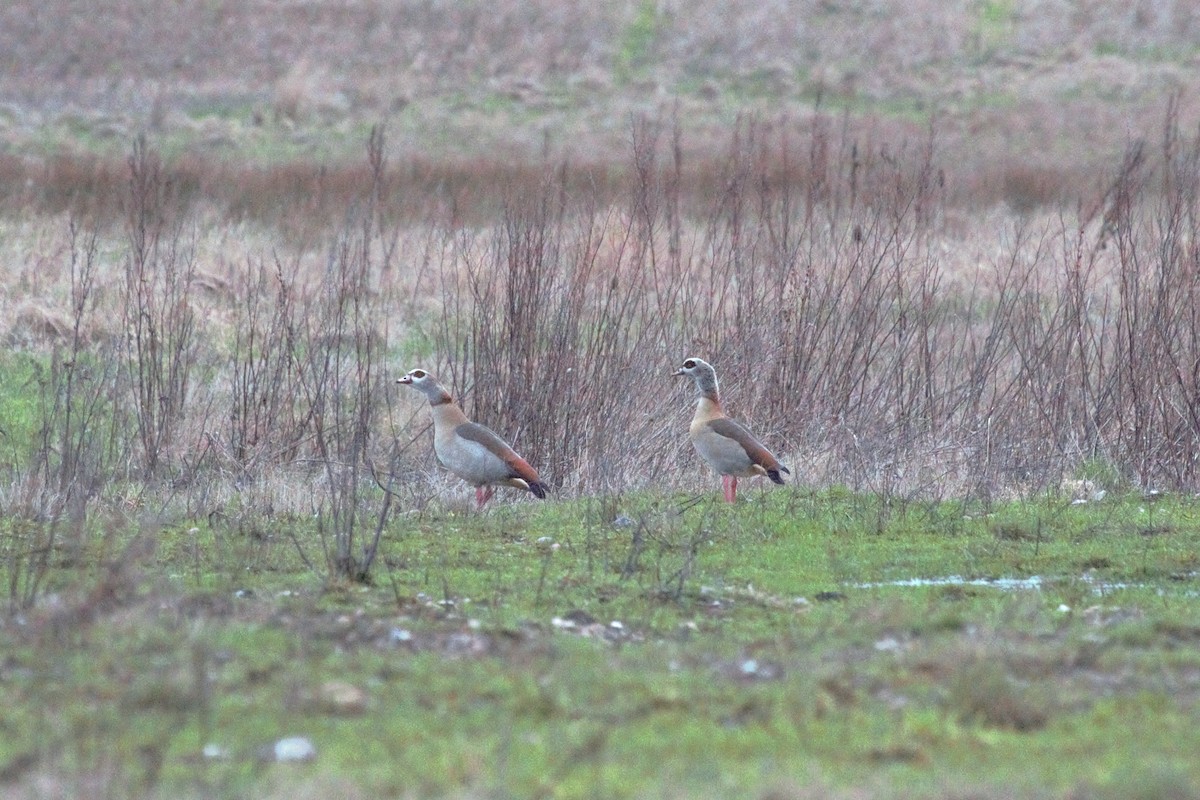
[805,643]
[800,645]
[944,259]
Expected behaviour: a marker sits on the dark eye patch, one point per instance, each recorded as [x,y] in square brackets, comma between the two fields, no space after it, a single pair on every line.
[689,364]
[418,373]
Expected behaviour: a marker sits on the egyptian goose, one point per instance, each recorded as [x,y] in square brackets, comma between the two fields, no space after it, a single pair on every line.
[724,443]
[470,450]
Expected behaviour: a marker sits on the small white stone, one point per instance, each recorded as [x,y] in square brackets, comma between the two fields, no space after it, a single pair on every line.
[401,635]
[749,666]
[294,748]
[888,645]
[1063,608]
[214,751]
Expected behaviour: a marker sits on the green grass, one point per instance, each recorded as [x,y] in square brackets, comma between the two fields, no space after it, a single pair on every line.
[635,49]
[994,27]
[19,405]
[772,649]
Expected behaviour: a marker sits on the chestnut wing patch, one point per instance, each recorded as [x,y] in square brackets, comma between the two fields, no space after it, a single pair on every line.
[474,432]
[732,429]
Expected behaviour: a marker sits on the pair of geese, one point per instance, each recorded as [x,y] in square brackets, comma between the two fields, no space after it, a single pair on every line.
[476,454]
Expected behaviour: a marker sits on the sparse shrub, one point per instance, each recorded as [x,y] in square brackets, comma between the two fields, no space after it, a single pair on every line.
[341,381]
[833,300]
[76,445]
[156,310]
[807,262]
[663,546]
[266,425]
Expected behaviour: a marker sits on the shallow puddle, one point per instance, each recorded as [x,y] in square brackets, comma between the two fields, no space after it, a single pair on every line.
[1010,584]
[1034,582]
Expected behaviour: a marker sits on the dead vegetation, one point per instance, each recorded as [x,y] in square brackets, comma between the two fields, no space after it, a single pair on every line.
[814,269]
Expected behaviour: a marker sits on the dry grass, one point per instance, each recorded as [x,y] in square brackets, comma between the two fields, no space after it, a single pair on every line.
[376,53]
[270,123]
[814,271]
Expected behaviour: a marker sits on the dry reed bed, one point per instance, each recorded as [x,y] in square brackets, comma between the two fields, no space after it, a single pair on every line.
[822,277]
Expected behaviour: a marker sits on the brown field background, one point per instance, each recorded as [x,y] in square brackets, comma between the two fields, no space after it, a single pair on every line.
[932,252]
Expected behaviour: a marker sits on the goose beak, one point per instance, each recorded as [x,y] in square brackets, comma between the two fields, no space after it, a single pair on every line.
[406,379]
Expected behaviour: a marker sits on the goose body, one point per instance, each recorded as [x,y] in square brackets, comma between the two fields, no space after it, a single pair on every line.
[724,443]
[472,451]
